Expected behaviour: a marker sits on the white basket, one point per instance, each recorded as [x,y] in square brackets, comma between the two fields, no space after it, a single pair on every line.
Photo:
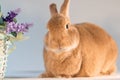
[3,57]
[3,65]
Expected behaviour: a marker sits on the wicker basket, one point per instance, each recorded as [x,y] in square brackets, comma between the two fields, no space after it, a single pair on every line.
[3,57]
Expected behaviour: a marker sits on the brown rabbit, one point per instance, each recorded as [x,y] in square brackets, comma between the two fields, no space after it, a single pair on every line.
[75,50]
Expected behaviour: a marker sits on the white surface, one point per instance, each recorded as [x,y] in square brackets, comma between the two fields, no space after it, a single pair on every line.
[92,78]
[112,77]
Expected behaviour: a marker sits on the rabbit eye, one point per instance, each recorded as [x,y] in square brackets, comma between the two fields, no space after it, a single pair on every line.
[67,26]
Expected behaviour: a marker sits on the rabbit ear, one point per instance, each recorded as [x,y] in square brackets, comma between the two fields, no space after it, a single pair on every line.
[53,9]
[65,8]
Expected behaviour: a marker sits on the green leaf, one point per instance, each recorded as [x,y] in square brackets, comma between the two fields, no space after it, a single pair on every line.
[20,36]
[15,20]
[2,36]
[0,14]
[14,34]
[1,21]
[2,27]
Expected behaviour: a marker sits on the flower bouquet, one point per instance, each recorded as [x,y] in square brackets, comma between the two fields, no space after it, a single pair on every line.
[10,31]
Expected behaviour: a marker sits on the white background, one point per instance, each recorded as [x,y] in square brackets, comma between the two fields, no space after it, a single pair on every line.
[27,59]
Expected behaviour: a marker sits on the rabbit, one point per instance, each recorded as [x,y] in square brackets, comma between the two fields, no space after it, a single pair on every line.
[76,50]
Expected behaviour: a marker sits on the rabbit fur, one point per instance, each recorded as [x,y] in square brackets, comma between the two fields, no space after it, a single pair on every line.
[76,50]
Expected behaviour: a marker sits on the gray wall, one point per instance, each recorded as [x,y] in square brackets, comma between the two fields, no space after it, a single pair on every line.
[27,59]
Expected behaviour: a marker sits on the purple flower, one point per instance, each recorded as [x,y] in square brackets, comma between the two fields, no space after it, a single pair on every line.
[25,26]
[11,26]
[16,28]
[11,15]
